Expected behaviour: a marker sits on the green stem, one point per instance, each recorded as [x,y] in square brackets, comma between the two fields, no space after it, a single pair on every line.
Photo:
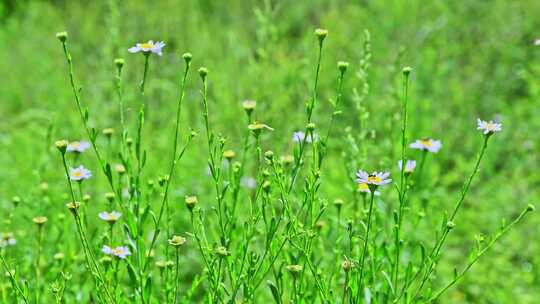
[366,238]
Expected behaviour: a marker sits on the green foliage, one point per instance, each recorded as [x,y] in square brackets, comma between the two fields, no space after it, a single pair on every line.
[285,240]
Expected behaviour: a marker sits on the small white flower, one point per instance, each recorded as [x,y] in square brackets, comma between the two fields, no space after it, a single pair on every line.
[80,173]
[427,144]
[537,42]
[148,47]
[299,137]
[248,182]
[78,146]
[110,217]
[120,252]
[410,165]
[7,239]
[375,178]
[488,127]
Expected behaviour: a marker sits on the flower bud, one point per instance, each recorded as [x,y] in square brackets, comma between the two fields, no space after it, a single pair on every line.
[450,225]
[321,34]
[16,201]
[187,57]
[191,201]
[108,132]
[269,156]
[221,251]
[40,220]
[110,196]
[249,106]
[266,186]
[229,154]
[310,126]
[86,198]
[407,70]
[119,63]
[342,66]
[530,207]
[203,72]
[177,241]
[294,269]
[73,206]
[346,265]
[61,145]
[62,36]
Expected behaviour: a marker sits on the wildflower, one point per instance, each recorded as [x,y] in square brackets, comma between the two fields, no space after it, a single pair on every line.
[248,182]
[321,34]
[78,146]
[110,217]
[191,201]
[120,252]
[338,203]
[86,198]
[300,136]
[7,239]
[537,42]
[363,188]
[488,127]
[119,62]
[427,144]
[375,178]
[287,159]
[187,57]
[203,72]
[410,165]
[164,264]
[40,220]
[177,241]
[148,47]
[80,173]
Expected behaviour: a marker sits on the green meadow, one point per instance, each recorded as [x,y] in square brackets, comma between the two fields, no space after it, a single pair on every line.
[234,156]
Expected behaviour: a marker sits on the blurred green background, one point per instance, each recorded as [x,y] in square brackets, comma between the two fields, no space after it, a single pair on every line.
[470,59]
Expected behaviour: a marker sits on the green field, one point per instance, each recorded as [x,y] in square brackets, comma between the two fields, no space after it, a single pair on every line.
[266,227]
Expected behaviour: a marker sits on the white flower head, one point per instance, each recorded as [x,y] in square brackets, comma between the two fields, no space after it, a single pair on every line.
[78,146]
[373,180]
[148,47]
[410,165]
[110,217]
[488,127]
[7,239]
[248,182]
[120,252]
[300,136]
[537,42]
[427,144]
[80,173]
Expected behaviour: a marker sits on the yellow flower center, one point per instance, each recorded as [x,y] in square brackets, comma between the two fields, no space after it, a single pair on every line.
[75,144]
[147,45]
[77,173]
[374,179]
[427,142]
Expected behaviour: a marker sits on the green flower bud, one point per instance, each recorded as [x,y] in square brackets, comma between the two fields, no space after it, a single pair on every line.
[62,36]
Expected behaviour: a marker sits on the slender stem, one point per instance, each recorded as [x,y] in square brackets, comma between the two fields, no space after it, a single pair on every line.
[402,181]
[176,282]
[365,250]
[12,278]
[479,254]
[440,242]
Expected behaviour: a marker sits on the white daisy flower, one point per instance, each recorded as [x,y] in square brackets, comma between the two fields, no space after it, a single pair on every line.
[110,217]
[7,239]
[120,252]
[488,127]
[148,47]
[80,173]
[375,178]
[299,137]
[537,42]
[410,165]
[78,146]
[248,182]
[427,144]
